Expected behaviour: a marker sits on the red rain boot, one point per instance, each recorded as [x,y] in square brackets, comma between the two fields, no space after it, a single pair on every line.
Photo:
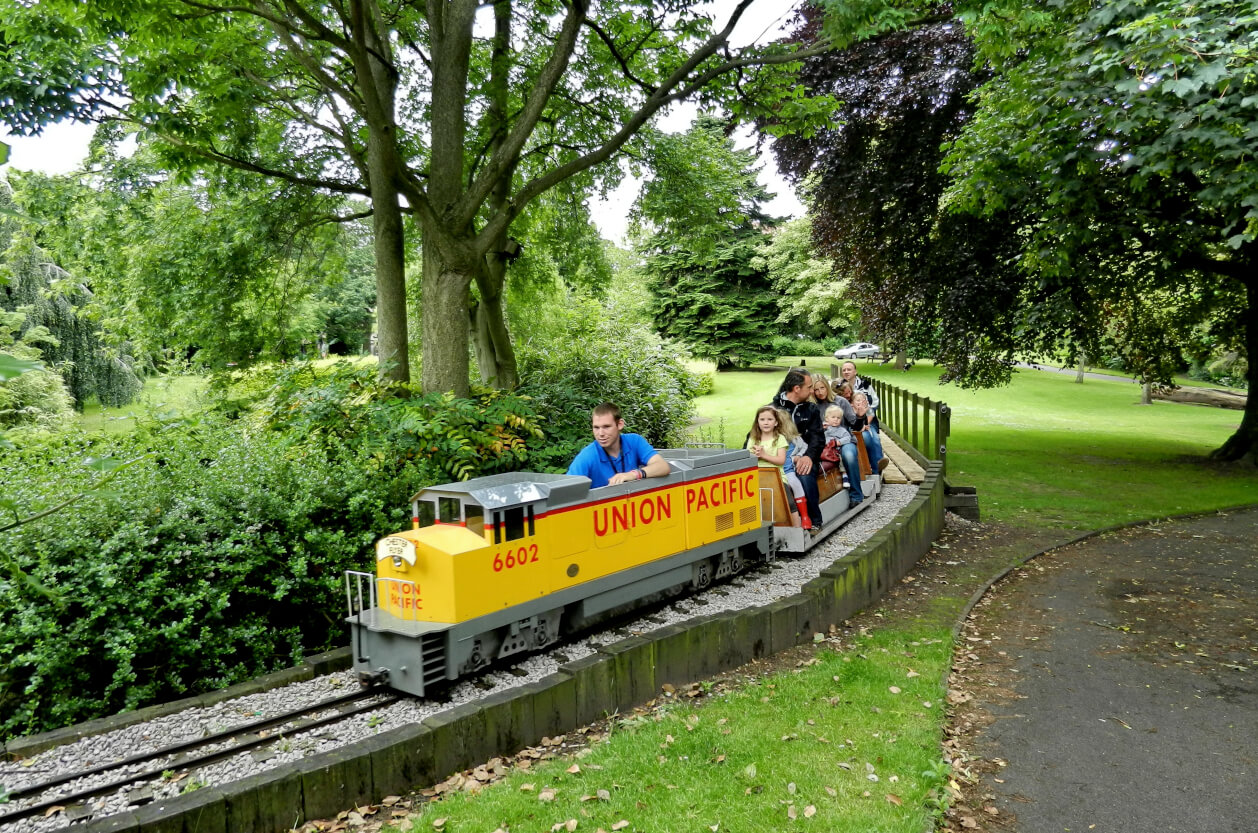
[802,503]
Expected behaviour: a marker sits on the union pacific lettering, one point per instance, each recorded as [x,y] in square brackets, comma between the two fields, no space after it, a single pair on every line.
[720,492]
[632,513]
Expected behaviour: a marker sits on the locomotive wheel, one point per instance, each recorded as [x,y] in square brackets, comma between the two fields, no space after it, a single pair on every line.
[737,563]
[702,574]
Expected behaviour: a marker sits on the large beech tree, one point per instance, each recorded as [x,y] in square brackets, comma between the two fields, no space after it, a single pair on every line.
[1100,185]
[459,118]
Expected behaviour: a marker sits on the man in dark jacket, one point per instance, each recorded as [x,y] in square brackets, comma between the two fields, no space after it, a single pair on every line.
[793,398]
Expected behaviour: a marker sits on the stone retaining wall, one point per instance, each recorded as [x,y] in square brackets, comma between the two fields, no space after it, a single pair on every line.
[617,677]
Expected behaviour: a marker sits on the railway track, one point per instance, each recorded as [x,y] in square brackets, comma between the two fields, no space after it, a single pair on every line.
[64,791]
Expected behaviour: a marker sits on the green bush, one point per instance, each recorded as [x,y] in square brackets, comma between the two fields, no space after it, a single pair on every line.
[221,555]
[595,360]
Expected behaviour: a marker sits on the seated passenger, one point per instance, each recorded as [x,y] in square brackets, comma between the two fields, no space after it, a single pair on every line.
[868,430]
[768,443]
[859,385]
[825,393]
[615,457]
[840,436]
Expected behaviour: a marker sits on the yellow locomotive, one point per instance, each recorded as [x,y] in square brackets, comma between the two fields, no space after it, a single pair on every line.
[509,563]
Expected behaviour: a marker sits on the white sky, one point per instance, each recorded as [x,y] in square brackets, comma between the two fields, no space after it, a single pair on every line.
[63,146]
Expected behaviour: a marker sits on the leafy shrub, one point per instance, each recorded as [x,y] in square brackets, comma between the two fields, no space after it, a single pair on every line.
[224,559]
[702,382]
[37,399]
[1229,369]
[596,360]
[809,347]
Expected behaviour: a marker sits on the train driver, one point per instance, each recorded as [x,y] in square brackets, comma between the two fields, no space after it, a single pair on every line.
[616,457]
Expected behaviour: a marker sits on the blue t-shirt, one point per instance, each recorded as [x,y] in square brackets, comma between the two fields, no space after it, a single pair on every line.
[594,463]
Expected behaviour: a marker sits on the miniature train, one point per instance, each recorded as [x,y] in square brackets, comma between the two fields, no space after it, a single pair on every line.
[512,563]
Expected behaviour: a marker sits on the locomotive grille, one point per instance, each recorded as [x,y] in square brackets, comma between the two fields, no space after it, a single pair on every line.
[747,515]
[433,658]
[725,521]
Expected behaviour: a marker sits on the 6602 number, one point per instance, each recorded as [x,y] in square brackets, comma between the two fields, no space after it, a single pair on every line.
[515,558]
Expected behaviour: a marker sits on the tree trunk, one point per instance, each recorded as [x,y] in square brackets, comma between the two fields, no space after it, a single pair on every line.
[1243,445]
[1146,392]
[393,343]
[901,360]
[494,353]
[448,270]
[1083,363]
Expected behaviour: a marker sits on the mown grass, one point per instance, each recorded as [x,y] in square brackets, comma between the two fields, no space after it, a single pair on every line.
[1047,452]
[161,394]
[828,746]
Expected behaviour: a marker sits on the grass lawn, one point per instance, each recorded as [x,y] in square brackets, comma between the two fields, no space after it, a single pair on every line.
[827,747]
[160,394]
[1047,452]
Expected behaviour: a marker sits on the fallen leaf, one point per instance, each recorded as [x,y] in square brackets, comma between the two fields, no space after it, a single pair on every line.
[390,800]
[54,809]
[912,673]
[845,765]
[894,799]
[832,792]
[895,689]
[438,823]
[790,812]
[574,769]
[750,770]
[405,825]
[791,788]
[969,822]
[620,825]
[546,795]
[810,811]
[990,810]
[526,788]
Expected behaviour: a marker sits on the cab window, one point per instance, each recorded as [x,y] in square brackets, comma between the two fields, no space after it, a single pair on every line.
[425,513]
[449,510]
[475,518]
[514,523]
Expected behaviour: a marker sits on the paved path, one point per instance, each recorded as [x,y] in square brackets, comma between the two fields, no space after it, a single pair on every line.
[1118,681]
[1088,374]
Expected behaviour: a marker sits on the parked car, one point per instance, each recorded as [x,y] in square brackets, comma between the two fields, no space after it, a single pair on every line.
[859,350]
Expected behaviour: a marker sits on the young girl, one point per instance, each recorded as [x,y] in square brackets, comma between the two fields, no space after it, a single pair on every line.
[770,441]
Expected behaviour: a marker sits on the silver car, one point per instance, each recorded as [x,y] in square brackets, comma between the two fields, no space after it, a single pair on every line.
[859,350]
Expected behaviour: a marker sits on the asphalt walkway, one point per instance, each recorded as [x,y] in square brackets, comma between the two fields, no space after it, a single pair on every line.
[1115,683]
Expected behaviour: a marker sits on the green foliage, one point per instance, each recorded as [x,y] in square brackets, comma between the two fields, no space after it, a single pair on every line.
[56,318]
[218,268]
[812,297]
[710,292]
[382,423]
[31,396]
[598,356]
[218,558]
